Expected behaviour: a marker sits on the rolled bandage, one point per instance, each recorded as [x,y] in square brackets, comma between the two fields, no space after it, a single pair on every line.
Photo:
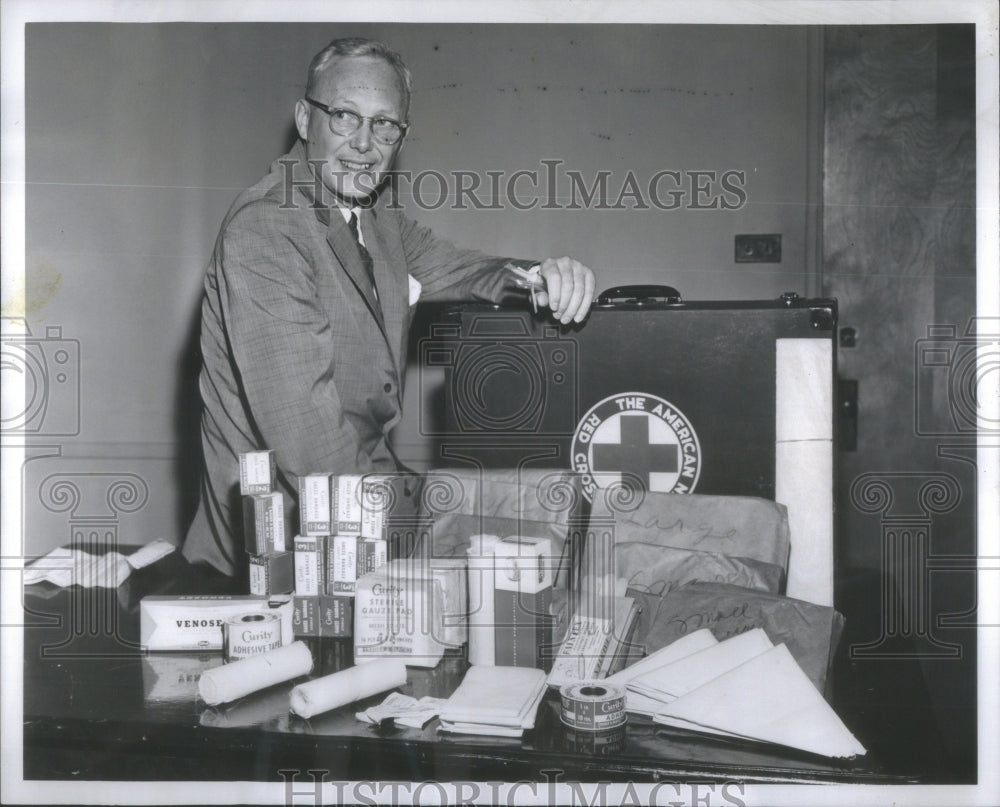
[347,686]
[231,681]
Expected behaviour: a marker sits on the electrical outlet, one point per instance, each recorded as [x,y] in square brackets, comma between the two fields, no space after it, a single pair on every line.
[758,248]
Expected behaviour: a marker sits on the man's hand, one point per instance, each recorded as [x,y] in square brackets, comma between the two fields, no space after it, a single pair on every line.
[569,288]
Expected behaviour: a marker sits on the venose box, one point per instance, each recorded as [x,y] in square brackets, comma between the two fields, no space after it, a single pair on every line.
[740,404]
[258,472]
[194,622]
[264,523]
[345,494]
[271,574]
[314,504]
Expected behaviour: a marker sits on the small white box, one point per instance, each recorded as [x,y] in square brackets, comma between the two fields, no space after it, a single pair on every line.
[258,472]
[194,622]
[308,565]
[264,523]
[342,564]
[314,504]
[347,503]
[376,498]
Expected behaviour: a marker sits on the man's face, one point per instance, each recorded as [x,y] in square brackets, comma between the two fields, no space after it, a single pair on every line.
[353,164]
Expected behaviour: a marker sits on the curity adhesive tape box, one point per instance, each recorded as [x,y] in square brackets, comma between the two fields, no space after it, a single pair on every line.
[195,622]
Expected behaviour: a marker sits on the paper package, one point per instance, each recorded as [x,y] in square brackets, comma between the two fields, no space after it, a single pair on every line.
[672,539]
[811,632]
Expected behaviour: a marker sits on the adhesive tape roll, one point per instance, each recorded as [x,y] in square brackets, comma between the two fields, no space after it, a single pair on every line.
[592,706]
[250,635]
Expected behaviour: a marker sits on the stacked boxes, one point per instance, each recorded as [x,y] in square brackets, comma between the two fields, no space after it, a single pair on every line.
[271,565]
[341,539]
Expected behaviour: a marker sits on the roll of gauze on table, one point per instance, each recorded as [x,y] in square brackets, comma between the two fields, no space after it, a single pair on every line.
[347,686]
[231,681]
[482,609]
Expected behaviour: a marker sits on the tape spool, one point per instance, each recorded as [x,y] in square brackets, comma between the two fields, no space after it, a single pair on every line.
[592,706]
[250,635]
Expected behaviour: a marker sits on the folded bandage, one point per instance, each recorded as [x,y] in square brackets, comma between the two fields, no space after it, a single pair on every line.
[347,686]
[231,681]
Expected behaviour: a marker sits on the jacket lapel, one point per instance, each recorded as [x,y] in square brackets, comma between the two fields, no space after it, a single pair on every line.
[338,236]
[391,279]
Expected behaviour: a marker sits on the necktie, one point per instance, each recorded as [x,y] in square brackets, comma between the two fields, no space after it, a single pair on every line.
[366,257]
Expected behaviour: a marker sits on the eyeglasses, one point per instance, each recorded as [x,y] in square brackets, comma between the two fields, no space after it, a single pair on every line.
[343,122]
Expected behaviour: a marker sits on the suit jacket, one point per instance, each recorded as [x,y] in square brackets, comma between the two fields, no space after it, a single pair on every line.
[298,356]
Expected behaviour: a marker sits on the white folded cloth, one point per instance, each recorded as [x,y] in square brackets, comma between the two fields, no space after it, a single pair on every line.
[767,698]
[499,701]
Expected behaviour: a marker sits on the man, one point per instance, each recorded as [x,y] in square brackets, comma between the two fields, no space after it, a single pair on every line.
[304,324]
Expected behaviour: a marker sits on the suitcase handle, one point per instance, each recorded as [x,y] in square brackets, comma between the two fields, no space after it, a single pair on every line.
[639,294]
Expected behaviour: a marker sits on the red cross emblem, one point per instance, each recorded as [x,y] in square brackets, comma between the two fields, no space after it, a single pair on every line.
[637,440]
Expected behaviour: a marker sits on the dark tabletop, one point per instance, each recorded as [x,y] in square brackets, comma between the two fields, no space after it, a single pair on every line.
[97,707]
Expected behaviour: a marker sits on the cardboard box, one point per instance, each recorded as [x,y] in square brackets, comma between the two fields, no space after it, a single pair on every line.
[309,565]
[522,602]
[341,564]
[271,574]
[336,616]
[393,613]
[305,616]
[264,523]
[377,496]
[194,622]
[372,555]
[346,503]
[258,472]
[314,504]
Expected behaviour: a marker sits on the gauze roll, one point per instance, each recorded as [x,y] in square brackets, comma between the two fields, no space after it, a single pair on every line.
[231,681]
[347,686]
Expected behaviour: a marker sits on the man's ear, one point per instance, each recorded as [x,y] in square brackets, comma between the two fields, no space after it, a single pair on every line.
[302,113]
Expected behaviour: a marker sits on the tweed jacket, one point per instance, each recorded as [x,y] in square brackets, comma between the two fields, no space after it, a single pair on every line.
[298,354]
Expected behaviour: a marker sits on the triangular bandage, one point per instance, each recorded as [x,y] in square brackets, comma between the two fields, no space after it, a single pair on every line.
[769,699]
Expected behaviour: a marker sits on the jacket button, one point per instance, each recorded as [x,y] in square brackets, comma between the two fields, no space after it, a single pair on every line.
[387,387]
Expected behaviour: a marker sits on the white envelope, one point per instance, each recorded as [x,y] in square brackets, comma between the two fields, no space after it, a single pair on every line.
[770,699]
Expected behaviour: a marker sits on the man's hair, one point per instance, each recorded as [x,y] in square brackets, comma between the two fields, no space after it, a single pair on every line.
[356,46]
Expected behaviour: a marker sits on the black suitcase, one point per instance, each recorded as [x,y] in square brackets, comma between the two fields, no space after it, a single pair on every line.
[650,392]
